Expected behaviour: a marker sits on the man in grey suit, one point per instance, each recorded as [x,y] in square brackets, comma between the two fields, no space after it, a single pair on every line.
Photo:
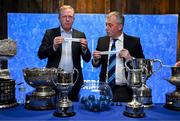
[126,47]
[65,54]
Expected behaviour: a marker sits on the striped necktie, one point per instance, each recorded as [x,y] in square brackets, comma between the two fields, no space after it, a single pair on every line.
[112,65]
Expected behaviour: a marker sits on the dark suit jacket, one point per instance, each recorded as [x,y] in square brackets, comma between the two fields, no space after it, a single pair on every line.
[46,51]
[132,44]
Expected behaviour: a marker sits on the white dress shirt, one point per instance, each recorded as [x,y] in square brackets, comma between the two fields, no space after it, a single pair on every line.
[66,61]
[120,70]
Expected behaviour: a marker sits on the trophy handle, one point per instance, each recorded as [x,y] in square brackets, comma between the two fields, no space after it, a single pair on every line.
[159,67]
[126,66]
[144,77]
[56,72]
[74,69]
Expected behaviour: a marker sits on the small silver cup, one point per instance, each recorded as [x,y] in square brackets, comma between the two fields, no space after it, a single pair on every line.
[134,108]
[64,83]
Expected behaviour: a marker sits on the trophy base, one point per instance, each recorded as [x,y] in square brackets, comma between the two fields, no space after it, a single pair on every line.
[64,112]
[40,102]
[144,96]
[8,105]
[134,112]
[151,105]
[171,107]
[7,91]
[173,101]
[146,101]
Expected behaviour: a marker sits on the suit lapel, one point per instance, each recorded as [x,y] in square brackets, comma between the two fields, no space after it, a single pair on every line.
[106,45]
[125,41]
[58,33]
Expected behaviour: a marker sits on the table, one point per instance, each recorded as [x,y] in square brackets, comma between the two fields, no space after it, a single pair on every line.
[157,113]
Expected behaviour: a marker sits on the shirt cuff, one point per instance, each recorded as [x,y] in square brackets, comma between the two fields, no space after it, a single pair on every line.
[95,61]
[54,48]
[84,50]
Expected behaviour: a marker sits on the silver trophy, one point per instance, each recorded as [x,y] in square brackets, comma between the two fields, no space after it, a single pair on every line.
[8,49]
[64,84]
[135,78]
[173,98]
[144,94]
[43,97]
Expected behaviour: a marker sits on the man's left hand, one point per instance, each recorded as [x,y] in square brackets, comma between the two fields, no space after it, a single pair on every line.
[84,43]
[124,53]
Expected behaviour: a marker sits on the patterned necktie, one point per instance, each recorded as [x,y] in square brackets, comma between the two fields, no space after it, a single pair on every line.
[112,65]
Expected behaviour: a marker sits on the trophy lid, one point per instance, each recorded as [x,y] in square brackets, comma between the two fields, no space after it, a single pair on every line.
[7,49]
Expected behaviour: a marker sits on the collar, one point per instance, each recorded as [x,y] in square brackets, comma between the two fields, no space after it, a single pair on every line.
[120,38]
[62,30]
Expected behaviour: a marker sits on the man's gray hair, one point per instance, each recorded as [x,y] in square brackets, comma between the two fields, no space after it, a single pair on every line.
[120,17]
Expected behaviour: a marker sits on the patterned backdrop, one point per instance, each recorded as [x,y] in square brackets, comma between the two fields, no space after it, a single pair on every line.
[158,35]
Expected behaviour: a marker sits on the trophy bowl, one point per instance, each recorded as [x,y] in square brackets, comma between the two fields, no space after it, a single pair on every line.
[8,49]
[175,76]
[95,96]
[173,98]
[43,96]
[40,76]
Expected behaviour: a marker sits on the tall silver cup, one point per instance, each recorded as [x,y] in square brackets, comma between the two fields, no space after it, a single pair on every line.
[145,92]
[64,83]
[135,78]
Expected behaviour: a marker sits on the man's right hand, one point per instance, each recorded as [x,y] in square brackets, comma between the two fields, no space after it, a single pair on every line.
[177,63]
[96,55]
[57,41]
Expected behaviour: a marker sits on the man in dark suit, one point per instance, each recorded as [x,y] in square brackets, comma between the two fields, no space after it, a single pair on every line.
[63,53]
[126,47]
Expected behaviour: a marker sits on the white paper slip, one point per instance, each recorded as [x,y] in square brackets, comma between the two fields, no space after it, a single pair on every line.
[168,66]
[108,52]
[72,39]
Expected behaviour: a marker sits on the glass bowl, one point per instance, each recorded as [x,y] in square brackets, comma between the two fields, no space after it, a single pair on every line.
[95,96]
